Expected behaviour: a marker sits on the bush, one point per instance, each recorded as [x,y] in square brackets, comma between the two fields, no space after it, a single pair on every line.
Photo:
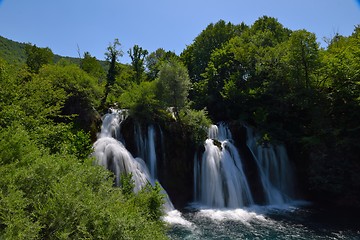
[52,196]
[197,122]
[140,99]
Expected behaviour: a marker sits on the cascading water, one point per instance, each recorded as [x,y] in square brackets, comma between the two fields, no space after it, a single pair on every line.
[111,124]
[218,172]
[274,169]
[146,148]
[112,154]
[219,178]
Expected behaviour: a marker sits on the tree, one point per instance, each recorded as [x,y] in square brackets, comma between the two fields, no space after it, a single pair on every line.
[174,85]
[37,57]
[137,55]
[82,93]
[302,56]
[38,191]
[197,55]
[92,66]
[112,55]
[141,100]
[46,173]
[274,31]
[155,59]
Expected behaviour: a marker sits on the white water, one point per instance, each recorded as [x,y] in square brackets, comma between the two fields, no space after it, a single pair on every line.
[256,222]
[274,168]
[111,124]
[244,215]
[219,179]
[112,154]
[151,152]
[146,148]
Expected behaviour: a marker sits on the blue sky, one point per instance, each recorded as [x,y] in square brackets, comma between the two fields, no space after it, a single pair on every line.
[92,25]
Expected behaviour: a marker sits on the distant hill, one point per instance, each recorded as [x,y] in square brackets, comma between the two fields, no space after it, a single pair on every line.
[14,52]
[11,51]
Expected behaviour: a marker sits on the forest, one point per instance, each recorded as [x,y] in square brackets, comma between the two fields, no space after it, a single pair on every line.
[277,80]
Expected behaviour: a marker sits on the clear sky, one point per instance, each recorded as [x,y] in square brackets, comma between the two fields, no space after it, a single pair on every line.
[62,25]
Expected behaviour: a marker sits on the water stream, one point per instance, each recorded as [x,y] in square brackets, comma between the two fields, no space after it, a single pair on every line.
[274,168]
[220,181]
[111,153]
[224,207]
[261,222]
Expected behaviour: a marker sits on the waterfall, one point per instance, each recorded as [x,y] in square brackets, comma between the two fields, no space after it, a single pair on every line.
[219,179]
[274,169]
[151,152]
[111,124]
[146,148]
[112,154]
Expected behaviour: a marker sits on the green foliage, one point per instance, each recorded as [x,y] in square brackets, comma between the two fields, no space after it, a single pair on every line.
[238,68]
[173,85]
[141,100]
[226,71]
[155,59]
[302,57]
[63,138]
[80,144]
[197,55]
[19,224]
[153,199]
[15,144]
[112,55]
[49,188]
[74,81]
[11,51]
[83,93]
[37,57]
[47,100]
[14,53]
[271,31]
[197,123]
[45,196]
[138,55]
[92,66]
[124,81]
[127,185]
[8,85]
[282,82]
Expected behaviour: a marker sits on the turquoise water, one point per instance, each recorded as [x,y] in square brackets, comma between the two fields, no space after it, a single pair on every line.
[267,223]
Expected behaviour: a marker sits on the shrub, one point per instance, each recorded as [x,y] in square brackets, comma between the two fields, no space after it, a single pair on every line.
[54,196]
[197,122]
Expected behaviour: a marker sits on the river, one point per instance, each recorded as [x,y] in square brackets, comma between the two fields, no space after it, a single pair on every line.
[288,222]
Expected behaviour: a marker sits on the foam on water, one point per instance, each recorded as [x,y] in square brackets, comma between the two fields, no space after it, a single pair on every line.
[239,214]
[175,217]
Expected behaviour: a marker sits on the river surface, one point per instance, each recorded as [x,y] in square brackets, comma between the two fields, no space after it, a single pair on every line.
[266,223]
